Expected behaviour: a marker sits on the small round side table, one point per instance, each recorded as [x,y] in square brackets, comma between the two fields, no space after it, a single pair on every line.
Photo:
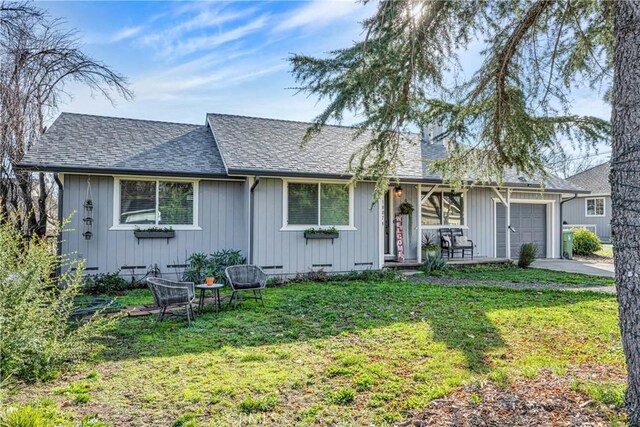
[216,295]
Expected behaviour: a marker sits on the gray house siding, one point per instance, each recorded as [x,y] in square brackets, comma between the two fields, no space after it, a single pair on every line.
[573,212]
[287,252]
[481,220]
[221,215]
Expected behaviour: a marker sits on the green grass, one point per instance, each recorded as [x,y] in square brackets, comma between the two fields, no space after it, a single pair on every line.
[335,354]
[506,273]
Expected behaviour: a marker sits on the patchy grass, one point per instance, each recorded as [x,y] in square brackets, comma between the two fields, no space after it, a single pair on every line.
[335,353]
[513,274]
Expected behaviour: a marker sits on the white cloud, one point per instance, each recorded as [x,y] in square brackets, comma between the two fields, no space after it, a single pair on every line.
[317,14]
[126,33]
[198,43]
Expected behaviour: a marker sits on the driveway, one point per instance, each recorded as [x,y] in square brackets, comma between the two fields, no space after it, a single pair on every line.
[593,268]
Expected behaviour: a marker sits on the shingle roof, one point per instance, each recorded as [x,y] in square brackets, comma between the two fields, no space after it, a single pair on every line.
[234,145]
[252,145]
[595,179]
[77,142]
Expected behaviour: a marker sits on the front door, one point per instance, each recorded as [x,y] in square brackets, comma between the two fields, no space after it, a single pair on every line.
[389,246]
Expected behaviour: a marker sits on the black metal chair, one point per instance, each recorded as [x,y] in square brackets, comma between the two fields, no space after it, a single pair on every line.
[169,292]
[460,242]
[246,278]
[446,242]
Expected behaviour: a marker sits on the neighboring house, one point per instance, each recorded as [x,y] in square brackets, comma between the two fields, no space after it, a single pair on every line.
[247,183]
[593,210]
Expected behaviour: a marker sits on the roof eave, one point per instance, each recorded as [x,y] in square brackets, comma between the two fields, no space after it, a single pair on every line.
[119,171]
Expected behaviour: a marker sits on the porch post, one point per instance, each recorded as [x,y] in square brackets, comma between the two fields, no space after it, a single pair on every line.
[419,210]
[508,224]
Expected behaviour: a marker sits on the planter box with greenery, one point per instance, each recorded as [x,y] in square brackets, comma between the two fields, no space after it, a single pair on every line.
[154,233]
[321,233]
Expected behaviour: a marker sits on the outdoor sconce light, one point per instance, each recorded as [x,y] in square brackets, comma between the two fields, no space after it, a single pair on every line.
[88,214]
[398,191]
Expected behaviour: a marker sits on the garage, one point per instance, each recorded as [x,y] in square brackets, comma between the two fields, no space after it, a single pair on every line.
[528,224]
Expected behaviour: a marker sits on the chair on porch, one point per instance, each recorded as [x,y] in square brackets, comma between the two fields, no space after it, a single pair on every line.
[452,240]
[446,241]
[460,242]
[169,292]
[243,278]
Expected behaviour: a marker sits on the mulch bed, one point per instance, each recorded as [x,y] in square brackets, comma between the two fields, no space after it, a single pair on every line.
[547,400]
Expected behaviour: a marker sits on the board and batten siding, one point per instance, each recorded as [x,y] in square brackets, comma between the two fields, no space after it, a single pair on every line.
[480,218]
[221,215]
[573,212]
[287,252]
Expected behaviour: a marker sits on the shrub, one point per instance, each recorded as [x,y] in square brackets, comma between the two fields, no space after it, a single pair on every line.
[38,336]
[527,254]
[585,242]
[107,284]
[213,265]
[434,263]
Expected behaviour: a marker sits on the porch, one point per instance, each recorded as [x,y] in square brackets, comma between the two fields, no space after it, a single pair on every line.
[414,263]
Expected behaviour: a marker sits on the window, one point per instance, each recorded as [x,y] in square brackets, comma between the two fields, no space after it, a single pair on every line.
[155,203]
[595,206]
[317,205]
[443,208]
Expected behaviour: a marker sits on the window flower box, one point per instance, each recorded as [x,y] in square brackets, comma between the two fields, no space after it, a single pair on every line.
[321,234]
[154,234]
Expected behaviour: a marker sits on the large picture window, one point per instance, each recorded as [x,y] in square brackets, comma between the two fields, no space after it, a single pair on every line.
[443,208]
[317,204]
[595,206]
[155,203]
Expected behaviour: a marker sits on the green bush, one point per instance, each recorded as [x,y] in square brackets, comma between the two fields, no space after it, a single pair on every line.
[107,284]
[38,336]
[202,265]
[527,254]
[434,263]
[585,242]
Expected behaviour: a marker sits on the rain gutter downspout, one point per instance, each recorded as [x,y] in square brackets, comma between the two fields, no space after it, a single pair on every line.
[562,202]
[60,214]
[251,210]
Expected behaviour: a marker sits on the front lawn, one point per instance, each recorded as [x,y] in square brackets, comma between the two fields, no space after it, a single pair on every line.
[514,274]
[336,353]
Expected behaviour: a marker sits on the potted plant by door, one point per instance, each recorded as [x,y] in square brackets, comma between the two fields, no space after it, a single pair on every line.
[429,246]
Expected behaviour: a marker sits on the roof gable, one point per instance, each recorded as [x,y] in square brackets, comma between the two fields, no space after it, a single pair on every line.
[595,179]
[97,143]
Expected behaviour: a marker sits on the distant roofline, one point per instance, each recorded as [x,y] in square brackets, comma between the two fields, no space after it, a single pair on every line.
[589,169]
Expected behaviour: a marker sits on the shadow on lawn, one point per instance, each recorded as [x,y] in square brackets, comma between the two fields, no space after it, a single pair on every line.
[456,317]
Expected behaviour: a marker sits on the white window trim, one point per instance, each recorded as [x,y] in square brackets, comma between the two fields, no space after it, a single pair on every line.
[116,203]
[604,206]
[285,206]
[443,190]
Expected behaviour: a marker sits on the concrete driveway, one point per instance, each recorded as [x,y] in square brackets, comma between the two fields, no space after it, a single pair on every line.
[574,266]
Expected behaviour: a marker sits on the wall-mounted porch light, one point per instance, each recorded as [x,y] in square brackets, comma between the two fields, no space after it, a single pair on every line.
[398,191]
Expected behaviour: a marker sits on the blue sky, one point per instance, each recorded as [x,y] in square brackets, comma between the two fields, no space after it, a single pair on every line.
[185,59]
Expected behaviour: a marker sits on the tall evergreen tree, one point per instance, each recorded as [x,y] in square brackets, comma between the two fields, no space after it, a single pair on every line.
[405,73]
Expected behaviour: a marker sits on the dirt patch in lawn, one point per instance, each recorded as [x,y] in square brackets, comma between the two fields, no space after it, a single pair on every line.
[547,400]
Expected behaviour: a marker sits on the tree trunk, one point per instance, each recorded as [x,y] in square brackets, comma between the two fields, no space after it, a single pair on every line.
[41,228]
[625,191]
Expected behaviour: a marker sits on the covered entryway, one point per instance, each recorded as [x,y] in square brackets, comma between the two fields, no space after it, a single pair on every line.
[528,224]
